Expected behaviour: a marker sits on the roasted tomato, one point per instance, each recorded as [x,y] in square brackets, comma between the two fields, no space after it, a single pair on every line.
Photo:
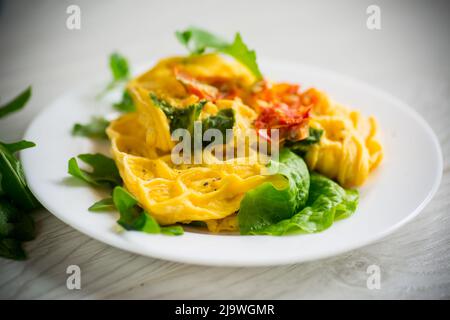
[280,106]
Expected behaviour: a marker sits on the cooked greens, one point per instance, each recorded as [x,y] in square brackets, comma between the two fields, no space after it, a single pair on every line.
[197,41]
[302,146]
[104,170]
[96,128]
[267,204]
[179,118]
[223,120]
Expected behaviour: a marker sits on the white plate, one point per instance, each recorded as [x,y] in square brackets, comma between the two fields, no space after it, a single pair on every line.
[395,193]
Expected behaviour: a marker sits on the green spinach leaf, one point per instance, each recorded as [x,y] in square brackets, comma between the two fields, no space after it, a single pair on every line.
[327,202]
[267,204]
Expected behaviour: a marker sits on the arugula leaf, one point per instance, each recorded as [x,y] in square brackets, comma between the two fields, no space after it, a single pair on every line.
[223,120]
[119,66]
[17,103]
[106,204]
[126,104]
[197,41]
[132,217]
[120,71]
[104,170]
[179,117]
[15,226]
[14,223]
[302,146]
[13,183]
[96,128]
[327,202]
[239,50]
[12,249]
[268,204]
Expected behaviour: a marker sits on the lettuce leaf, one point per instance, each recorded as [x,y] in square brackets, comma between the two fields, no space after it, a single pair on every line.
[327,202]
[267,204]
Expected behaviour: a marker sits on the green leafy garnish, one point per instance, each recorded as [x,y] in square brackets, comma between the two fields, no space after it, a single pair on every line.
[179,118]
[119,67]
[133,217]
[17,103]
[12,249]
[327,202]
[15,227]
[12,178]
[197,41]
[267,204]
[126,104]
[302,146]
[96,128]
[104,170]
[106,204]
[223,120]
[120,71]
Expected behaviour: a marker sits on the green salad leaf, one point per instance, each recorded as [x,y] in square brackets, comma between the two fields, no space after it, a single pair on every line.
[120,72]
[15,227]
[179,118]
[12,249]
[301,147]
[119,67]
[16,104]
[126,104]
[104,170]
[327,202]
[106,204]
[267,204]
[14,223]
[133,217]
[96,128]
[197,41]
[12,178]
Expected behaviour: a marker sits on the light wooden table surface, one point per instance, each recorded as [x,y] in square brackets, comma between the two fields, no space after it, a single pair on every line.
[408,57]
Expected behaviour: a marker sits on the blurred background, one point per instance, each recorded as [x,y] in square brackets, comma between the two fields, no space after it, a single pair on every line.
[408,57]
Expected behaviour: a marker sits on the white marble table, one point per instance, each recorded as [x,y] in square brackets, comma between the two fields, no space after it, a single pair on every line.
[408,57]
